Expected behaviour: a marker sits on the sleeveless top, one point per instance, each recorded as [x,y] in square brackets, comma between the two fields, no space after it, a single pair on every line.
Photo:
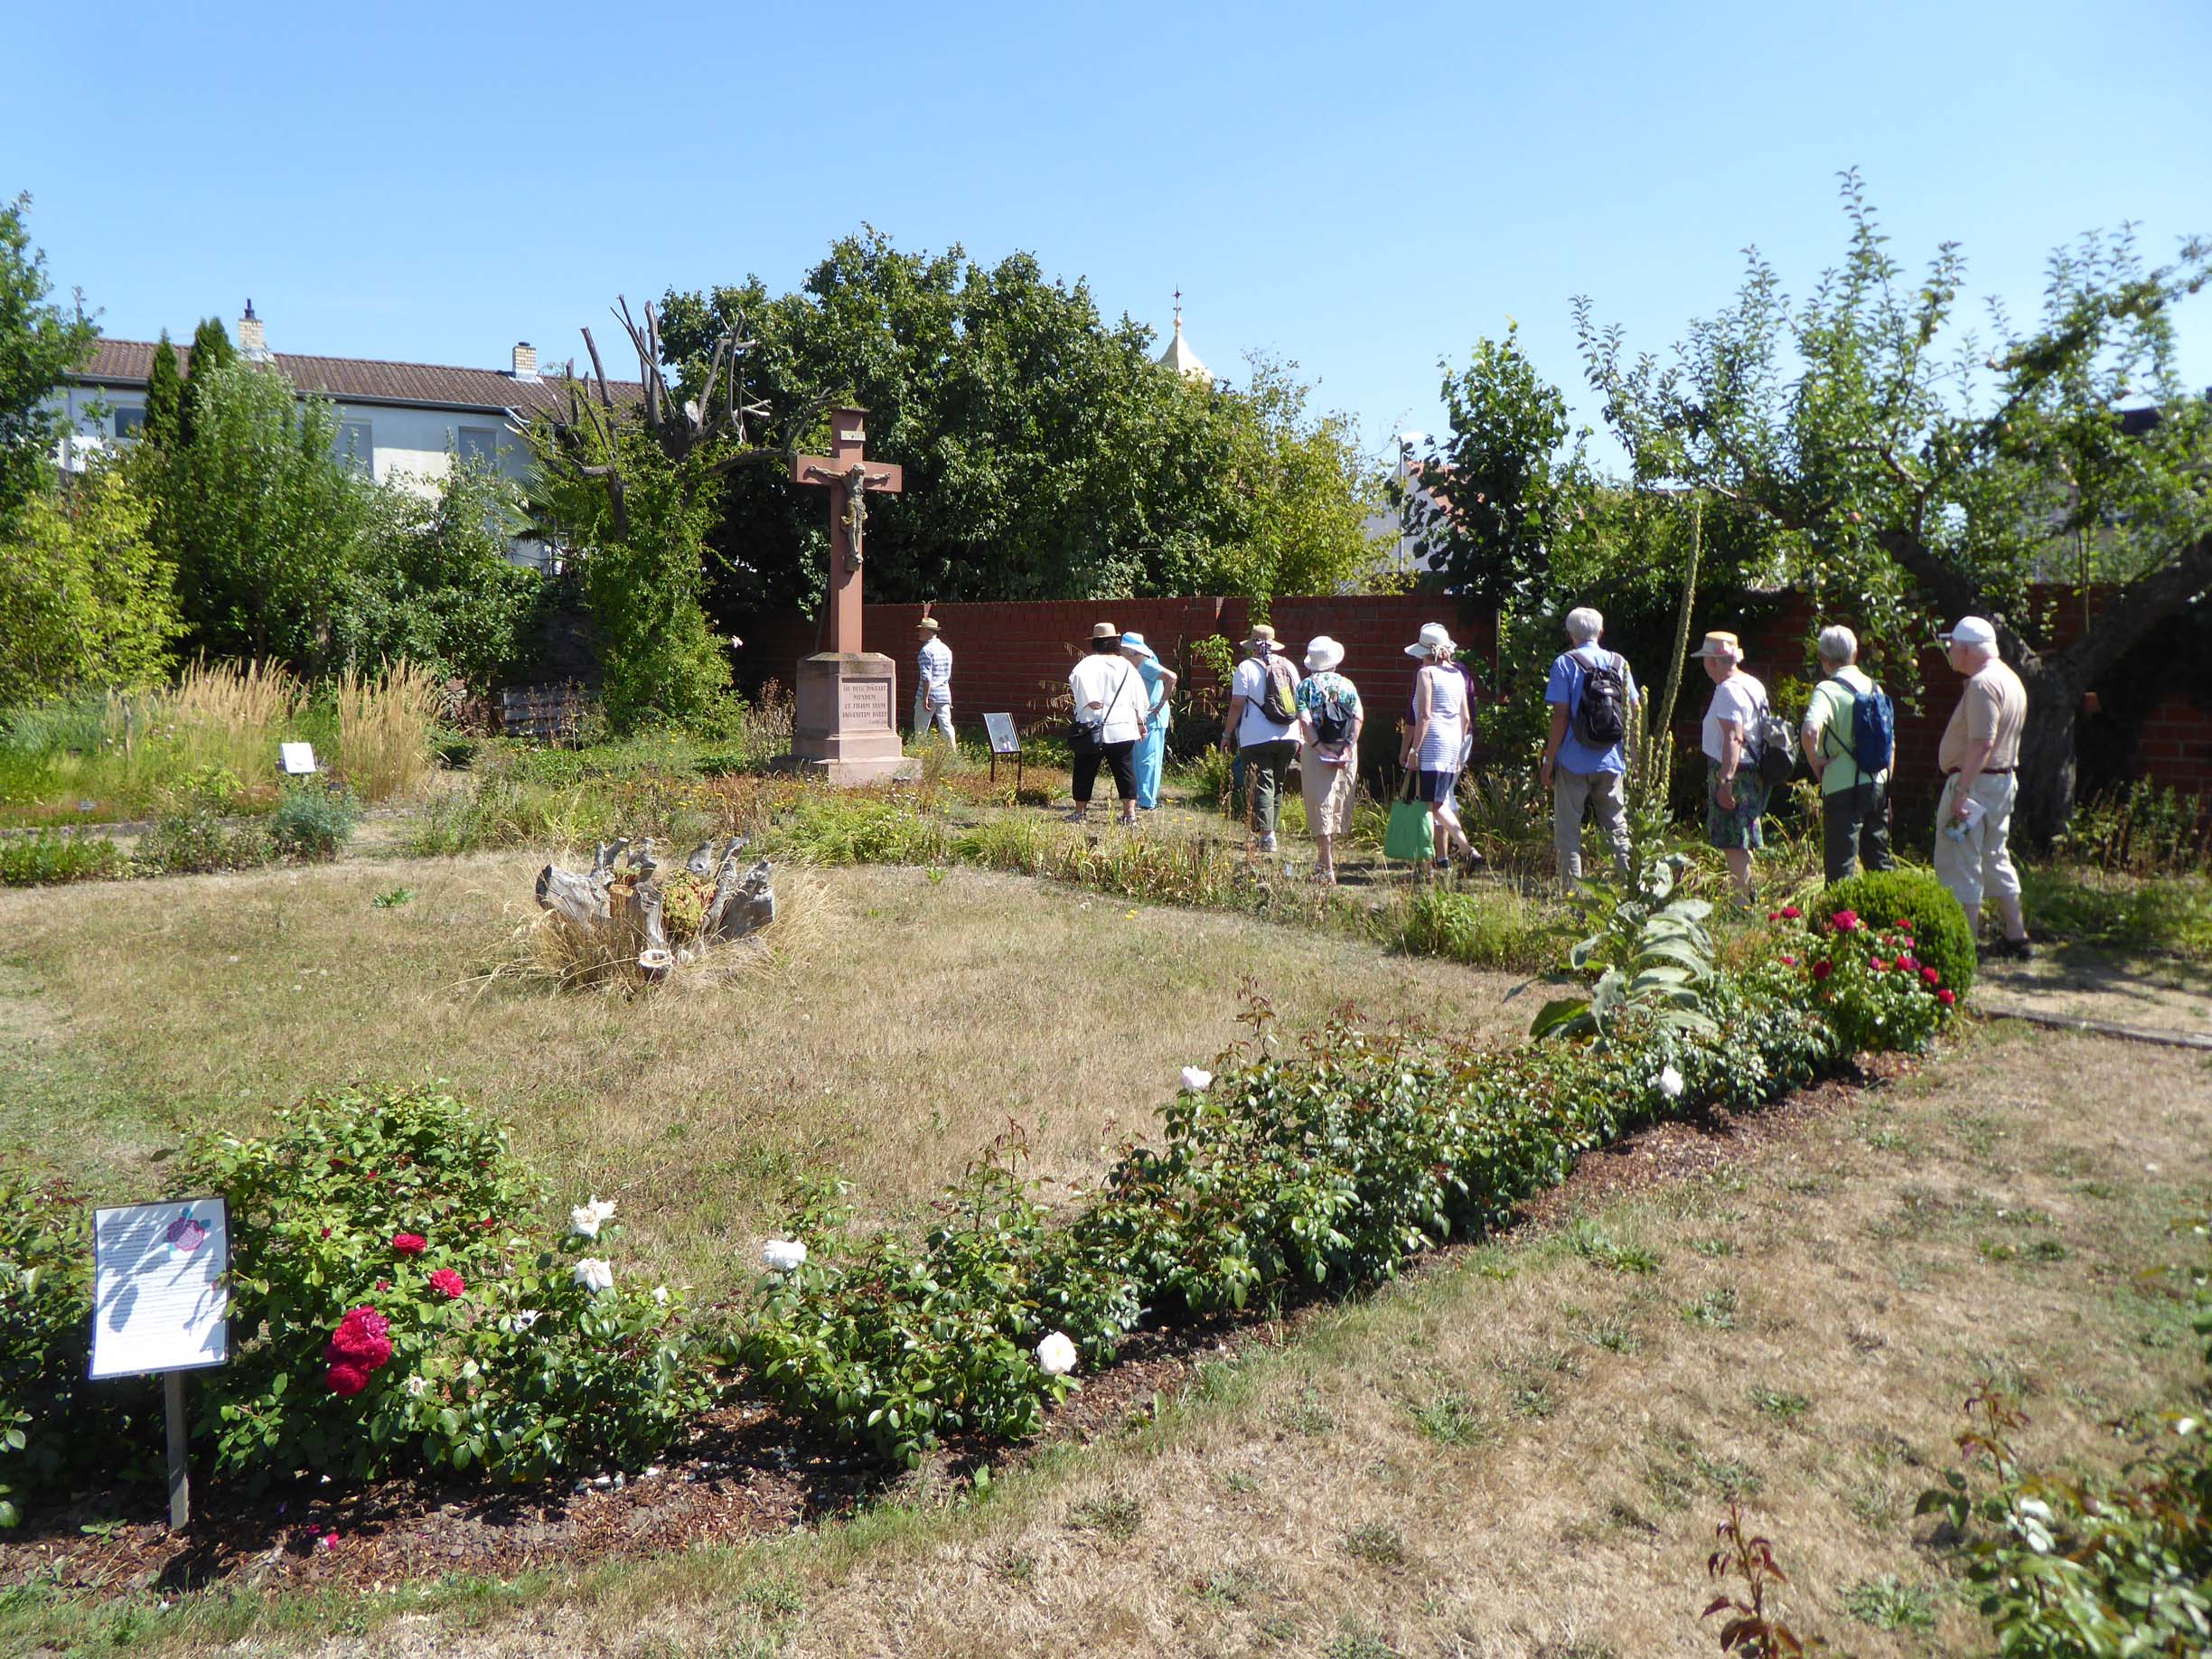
[1446,739]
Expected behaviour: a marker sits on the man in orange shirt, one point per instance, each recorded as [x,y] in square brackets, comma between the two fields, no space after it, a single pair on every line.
[1979,753]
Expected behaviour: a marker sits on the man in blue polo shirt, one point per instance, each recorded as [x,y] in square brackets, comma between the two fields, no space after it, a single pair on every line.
[1591,694]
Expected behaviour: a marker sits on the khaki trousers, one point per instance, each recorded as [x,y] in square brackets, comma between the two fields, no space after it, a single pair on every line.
[1976,864]
[1602,793]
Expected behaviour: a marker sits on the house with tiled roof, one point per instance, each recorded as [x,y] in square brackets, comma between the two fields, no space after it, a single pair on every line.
[400,422]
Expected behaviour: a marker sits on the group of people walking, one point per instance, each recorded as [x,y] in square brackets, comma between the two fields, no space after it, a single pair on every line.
[1278,716]
[1847,739]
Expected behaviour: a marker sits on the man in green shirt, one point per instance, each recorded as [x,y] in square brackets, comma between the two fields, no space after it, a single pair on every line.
[1854,803]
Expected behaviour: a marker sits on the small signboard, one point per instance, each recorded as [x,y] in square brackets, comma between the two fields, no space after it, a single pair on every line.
[1003,740]
[297,759]
[160,1300]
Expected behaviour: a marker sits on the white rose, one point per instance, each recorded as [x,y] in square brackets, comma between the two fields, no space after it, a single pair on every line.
[602,1207]
[1056,1355]
[417,1387]
[594,1274]
[1196,1081]
[660,1295]
[783,1255]
[584,1220]
[1671,1084]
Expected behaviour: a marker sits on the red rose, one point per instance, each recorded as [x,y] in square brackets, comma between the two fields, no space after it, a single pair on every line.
[1931,976]
[383,1284]
[1822,970]
[1774,915]
[1904,924]
[362,1340]
[1877,964]
[1845,921]
[1789,961]
[1946,997]
[1906,964]
[409,1244]
[488,1223]
[346,1380]
[1790,912]
[448,1281]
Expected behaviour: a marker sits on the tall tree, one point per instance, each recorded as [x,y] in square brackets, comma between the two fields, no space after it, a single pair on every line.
[210,349]
[266,525]
[1047,453]
[40,343]
[86,601]
[164,404]
[1913,469]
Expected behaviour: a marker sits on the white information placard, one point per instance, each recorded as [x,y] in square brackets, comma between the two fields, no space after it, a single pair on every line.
[296,758]
[1001,729]
[159,1300]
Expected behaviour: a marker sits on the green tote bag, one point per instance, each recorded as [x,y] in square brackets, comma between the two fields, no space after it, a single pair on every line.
[1411,835]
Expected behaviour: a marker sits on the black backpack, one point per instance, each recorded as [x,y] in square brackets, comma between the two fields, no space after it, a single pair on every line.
[1602,715]
[1776,748]
[1332,721]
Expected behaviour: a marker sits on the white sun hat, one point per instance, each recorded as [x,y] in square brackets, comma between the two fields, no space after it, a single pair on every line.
[1434,638]
[1323,653]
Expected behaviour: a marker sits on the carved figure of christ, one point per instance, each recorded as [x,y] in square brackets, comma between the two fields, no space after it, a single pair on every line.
[850,476]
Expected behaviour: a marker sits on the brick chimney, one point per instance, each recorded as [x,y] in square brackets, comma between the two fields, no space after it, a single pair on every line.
[252,343]
[525,360]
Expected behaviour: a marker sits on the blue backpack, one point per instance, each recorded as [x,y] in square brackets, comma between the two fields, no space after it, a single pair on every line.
[1873,739]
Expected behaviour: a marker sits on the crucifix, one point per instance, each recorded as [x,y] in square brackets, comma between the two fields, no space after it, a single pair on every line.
[850,476]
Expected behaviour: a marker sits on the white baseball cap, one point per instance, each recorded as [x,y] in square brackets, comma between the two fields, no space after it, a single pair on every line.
[1970,630]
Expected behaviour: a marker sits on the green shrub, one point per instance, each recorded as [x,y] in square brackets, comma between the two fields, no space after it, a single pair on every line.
[2120,911]
[1942,935]
[513,1366]
[199,842]
[312,822]
[46,857]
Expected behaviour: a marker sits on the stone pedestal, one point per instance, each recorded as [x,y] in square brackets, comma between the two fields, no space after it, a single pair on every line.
[846,728]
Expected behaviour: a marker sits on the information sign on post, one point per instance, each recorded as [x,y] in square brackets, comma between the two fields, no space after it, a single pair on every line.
[162,1303]
[297,759]
[1004,740]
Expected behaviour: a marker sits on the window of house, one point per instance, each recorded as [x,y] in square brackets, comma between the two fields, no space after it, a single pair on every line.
[129,420]
[354,445]
[480,445]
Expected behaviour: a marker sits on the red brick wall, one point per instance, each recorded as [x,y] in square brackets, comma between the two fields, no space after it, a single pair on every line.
[1014,657]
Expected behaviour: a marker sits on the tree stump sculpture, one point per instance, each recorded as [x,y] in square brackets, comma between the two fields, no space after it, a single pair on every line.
[625,917]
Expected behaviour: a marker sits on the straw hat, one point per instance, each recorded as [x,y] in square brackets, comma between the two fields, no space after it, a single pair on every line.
[1104,631]
[1719,643]
[928,624]
[1323,653]
[1435,639]
[1261,634]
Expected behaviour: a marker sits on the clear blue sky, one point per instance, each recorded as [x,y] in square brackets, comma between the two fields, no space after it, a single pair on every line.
[1362,189]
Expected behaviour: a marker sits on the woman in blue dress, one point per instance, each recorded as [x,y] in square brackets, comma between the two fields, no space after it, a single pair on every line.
[1159,684]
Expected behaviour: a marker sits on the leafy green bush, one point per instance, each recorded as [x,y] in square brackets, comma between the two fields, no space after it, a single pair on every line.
[1318,1171]
[199,842]
[1943,936]
[495,1352]
[1871,985]
[1652,956]
[2120,911]
[390,1308]
[312,822]
[45,857]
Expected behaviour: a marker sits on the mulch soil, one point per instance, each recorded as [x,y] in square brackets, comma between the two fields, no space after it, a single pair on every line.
[747,1471]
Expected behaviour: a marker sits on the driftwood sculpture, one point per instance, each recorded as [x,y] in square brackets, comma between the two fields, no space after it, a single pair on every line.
[628,917]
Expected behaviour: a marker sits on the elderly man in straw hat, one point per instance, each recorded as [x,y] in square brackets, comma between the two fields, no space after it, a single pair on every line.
[1735,795]
[1980,755]
[1261,727]
[932,681]
[1329,722]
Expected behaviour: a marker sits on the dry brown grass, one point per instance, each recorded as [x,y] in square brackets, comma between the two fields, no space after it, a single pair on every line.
[890,1033]
[225,715]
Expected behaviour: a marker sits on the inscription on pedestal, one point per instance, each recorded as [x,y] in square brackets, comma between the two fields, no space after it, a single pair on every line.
[863,703]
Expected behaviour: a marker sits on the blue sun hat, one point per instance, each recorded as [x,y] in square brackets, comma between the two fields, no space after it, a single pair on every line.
[1136,642]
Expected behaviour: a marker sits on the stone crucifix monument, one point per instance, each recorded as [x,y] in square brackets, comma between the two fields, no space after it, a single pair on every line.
[845,727]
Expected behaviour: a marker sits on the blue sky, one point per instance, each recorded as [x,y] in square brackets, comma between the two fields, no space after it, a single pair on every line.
[1362,189]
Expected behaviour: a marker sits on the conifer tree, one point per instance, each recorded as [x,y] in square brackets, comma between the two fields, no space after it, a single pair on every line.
[164,405]
[210,348]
